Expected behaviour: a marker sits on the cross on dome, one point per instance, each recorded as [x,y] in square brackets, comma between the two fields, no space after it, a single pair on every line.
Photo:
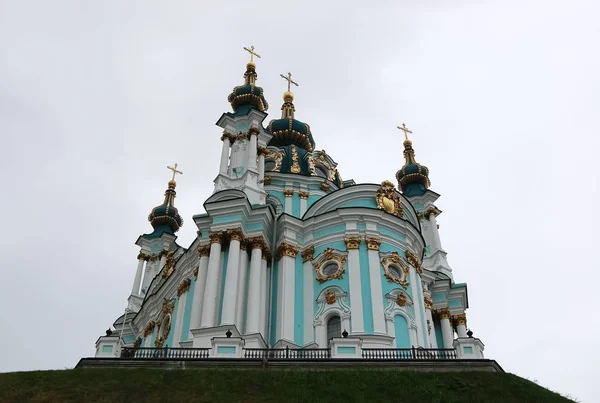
[289,80]
[405,130]
[252,53]
[175,171]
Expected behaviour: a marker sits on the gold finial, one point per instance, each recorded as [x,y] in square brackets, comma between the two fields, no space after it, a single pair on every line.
[175,171]
[288,78]
[405,130]
[252,53]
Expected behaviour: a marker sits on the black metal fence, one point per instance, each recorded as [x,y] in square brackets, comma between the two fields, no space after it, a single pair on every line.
[287,353]
[374,354]
[165,352]
[409,353]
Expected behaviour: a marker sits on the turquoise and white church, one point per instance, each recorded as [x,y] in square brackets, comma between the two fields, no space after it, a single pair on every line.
[288,254]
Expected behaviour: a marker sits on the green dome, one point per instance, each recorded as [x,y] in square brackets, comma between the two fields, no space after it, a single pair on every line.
[248,94]
[413,177]
[166,214]
[287,130]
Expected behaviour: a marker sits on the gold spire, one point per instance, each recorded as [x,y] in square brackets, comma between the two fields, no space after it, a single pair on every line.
[252,54]
[405,130]
[287,110]
[175,172]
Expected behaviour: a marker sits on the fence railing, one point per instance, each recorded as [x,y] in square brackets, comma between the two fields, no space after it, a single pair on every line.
[287,353]
[413,353]
[165,352]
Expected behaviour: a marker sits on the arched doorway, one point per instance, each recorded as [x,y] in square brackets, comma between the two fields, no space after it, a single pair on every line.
[334,327]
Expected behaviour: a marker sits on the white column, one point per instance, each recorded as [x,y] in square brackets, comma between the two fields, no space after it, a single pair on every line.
[447,333]
[179,320]
[461,325]
[138,276]
[261,166]
[436,244]
[262,320]
[224,154]
[241,288]
[352,245]
[427,301]
[233,274]
[147,275]
[376,288]
[286,276]
[309,294]
[415,281]
[209,305]
[199,287]
[163,261]
[288,193]
[253,133]
[303,202]
[253,306]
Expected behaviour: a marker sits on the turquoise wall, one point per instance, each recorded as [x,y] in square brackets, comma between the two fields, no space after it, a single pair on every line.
[187,314]
[169,341]
[401,329]
[299,301]
[275,276]
[128,339]
[226,219]
[391,233]
[439,338]
[311,200]
[223,277]
[370,203]
[341,228]
[279,196]
[296,205]
[366,287]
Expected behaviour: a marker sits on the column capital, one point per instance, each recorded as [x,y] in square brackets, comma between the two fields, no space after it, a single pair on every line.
[459,319]
[261,150]
[257,242]
[288,192]
[204,250]
[235,234]
[308,254]
[143,256]
[444,313]
[183,287]
[287,249]
[414,261]
[195,272]
[352,242]
[304,194]
[428,302]
[266,255]
[227,136]
[253,131]
[373,243]
[432,210]
[216,237]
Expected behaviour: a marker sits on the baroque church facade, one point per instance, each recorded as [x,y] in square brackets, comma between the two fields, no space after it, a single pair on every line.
[290,255]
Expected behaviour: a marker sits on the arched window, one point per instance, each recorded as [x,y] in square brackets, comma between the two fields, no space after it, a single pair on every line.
[334,327]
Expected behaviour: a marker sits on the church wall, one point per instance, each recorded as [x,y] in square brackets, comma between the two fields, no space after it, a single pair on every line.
[299,301]
[187,315]
[366,288]
[401,332]
[169,341]
[222,277]
[296,205]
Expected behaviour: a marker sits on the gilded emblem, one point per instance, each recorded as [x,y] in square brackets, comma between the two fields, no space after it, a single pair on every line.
[401,299]
[330,297]
[388,200]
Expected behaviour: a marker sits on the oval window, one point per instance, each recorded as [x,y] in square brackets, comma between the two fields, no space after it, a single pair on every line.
[330,269]
[269,165]
[394,272]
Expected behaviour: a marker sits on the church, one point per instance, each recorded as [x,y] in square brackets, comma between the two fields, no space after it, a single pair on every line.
[290,256]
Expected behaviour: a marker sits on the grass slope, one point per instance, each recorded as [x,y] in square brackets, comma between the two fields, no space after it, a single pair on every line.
[226,385]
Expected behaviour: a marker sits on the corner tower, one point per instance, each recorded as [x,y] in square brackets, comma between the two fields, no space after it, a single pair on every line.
[241,167]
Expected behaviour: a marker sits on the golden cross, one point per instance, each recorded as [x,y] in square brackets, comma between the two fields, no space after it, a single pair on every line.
[175,171]
[289,80]
[405,130]
[252,53]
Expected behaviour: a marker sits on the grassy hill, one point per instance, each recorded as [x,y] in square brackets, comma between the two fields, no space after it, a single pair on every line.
[253,385]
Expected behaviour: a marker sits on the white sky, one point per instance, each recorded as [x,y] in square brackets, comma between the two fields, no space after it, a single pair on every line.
[96,98]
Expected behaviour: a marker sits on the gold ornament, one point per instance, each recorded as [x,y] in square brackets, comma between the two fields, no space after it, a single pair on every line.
[388,200]
[149,328]
[414,261]
[460,319]
[373,243]
[204,250]
[216,237]
[444,313]
[304,195]
[428,302]
[395,259]
[401,299]
[286,249]
[307,254]
[352,242]
[183,287]
[235,234]
[328,255]
[295,164]
[288,192]
[330,297]
[325,186]
[169,265]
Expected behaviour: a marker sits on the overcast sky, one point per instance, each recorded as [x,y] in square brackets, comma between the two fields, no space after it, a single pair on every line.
[96,98]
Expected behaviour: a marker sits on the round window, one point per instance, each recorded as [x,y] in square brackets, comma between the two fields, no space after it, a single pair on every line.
[394,272]
[269,165]
[330,269]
